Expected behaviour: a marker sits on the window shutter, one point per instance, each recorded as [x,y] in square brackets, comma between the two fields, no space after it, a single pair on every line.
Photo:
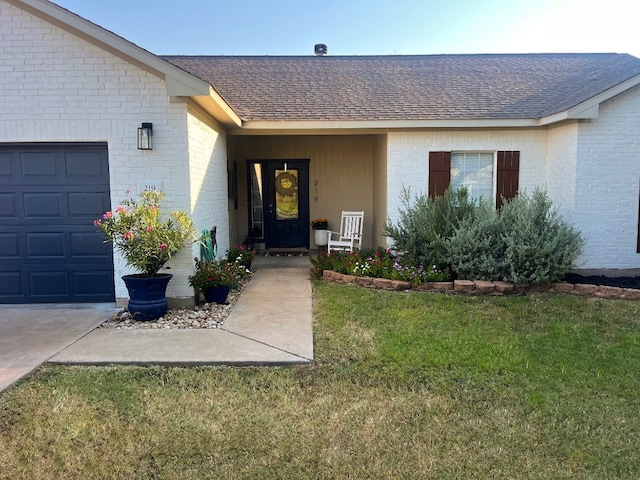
[439,173]
[508,169]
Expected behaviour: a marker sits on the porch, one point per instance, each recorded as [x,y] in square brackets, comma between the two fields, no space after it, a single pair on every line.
[343,172]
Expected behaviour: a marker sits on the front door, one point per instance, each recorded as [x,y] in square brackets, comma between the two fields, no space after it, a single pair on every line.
[286,203]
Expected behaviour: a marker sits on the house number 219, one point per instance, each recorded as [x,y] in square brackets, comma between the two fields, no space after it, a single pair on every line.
[150,186]
[315,185]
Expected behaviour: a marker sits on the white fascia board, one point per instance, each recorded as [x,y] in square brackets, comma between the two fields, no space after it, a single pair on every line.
[363,125]
[218,108]
[590,109]
[179,82]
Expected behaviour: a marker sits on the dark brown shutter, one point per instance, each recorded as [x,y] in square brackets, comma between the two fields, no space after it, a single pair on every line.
[508,168]
[439,173]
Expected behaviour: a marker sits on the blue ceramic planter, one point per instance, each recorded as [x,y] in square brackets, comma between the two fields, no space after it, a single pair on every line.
[217,294]
[147,296]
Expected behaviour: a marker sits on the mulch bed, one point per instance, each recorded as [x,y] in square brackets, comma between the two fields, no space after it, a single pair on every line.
[622,282]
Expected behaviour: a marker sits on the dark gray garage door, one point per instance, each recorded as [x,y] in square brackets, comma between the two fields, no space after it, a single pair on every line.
[49,249]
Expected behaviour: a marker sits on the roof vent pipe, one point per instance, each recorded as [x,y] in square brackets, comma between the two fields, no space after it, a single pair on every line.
[320,49]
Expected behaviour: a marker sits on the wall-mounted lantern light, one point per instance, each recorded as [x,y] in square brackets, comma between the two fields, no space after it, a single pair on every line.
[145,132]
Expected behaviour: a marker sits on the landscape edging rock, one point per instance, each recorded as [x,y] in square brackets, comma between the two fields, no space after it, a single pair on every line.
[484,287]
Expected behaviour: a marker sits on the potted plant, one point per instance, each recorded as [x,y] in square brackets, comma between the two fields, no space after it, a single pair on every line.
[320,228]
[146,241]
[215,279]
[241,254]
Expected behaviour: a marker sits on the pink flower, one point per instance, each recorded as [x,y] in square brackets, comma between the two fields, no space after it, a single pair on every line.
[107,215]
[163,246]
[127,235]
[149,229]
[97,223]
[119,209]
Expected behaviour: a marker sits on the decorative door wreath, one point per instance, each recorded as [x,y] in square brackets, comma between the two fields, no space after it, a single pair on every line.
[286,184]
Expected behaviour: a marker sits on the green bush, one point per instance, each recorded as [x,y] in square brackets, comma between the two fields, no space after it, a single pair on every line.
[426,223]
[525,242]
[476,249]
[540,247]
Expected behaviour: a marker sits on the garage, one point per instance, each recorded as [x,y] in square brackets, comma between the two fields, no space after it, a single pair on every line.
[50,251]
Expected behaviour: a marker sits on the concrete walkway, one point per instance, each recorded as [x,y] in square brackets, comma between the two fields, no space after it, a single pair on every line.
[271,324]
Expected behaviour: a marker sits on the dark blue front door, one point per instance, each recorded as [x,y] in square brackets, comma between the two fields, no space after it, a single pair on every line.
[287,204]
[49,249]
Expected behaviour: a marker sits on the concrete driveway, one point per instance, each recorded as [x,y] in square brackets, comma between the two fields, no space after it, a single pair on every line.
[31,334]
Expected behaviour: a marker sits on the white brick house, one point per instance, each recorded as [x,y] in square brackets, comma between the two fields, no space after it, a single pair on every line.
[353,131]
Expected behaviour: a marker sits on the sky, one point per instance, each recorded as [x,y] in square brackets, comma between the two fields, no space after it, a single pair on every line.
[368,27]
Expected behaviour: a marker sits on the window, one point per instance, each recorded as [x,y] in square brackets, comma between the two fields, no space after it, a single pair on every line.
[474,170]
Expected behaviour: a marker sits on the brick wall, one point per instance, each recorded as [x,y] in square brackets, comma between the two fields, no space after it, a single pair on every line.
[208,177]
[608,157]
[561,168]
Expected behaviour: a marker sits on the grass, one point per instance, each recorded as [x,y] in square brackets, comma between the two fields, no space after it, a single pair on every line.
[404,386]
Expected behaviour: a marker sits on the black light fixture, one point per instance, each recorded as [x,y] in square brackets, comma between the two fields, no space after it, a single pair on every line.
[145,132]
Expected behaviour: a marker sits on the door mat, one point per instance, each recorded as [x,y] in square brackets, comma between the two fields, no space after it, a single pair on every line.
[287,252]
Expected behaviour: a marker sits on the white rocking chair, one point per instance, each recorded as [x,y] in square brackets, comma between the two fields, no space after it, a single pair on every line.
[350,234]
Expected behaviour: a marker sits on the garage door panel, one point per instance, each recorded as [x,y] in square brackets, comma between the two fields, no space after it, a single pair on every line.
[45,245]
[11,284]
[92,283]
[50,251]
[8,205]
[84,164]
[10,246]
[39,164]
[89,244]
[38,205]
[88,205]
[6,164]
[48,285]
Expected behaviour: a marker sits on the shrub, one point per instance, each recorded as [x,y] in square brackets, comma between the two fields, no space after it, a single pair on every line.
[525,242]
[426,223]
[540,247]
[476,249]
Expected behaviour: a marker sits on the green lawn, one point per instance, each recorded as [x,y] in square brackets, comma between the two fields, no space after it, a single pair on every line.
[413,385]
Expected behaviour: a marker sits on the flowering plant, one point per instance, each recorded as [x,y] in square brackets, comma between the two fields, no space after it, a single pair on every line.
[240,254]
[216,274]
[320,224]
[145,239]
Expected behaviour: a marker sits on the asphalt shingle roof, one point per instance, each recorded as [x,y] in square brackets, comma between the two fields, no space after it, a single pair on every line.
[421,87]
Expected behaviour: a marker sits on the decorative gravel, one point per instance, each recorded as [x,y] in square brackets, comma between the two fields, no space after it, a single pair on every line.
[208,315]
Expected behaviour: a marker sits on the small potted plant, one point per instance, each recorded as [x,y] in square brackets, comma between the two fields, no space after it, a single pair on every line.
[320,228]
[147,241]
[241,254]
[215,279]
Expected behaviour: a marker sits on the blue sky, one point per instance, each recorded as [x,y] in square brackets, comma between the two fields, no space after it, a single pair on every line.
[368,27]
